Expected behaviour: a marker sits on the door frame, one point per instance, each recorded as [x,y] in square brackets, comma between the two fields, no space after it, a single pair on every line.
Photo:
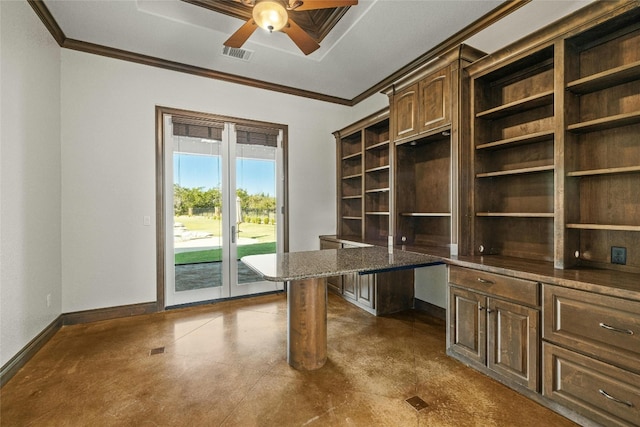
[161,196]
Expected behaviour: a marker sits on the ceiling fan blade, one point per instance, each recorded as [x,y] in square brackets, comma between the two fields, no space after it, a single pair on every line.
[320,4]
[300,37]
[238,38]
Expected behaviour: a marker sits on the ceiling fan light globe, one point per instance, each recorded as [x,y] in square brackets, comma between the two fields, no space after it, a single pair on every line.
[270,15]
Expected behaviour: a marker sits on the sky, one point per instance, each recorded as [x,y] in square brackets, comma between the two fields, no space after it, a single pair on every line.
[253,175]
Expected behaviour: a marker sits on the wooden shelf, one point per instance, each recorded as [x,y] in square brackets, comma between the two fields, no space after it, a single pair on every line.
[378,190]
[378,169]
[352,156]
[379,145]
[605,123]
[518,140]
[605,79]
[544,98]
[426,214]
[516,171]
[377,213]
[352,217]
[515,214]
[607,171]
[608,227]
[351,197]
[356,175]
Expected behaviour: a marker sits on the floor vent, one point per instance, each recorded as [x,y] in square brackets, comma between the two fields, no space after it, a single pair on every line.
[237,53]
[417,403]
[158,350]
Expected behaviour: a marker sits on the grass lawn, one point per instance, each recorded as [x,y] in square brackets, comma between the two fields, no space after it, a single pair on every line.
[211,255]
[264,235]
[261,232]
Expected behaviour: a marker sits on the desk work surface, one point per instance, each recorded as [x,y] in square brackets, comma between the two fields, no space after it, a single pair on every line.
[334,262]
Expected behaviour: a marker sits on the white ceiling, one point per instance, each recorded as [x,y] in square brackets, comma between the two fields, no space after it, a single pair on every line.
[372,41]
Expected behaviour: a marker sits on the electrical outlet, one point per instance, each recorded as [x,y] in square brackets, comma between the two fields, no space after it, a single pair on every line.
[618,255]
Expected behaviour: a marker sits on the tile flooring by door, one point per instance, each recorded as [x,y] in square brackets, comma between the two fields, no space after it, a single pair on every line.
[225,365]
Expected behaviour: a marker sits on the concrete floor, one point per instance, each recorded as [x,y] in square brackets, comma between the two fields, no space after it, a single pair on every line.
[225,365]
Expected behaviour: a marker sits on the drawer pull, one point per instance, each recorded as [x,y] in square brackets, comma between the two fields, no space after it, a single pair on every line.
[608,396]
[614,329]
[485,281]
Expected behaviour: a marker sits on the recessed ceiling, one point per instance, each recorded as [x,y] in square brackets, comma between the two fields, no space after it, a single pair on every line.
[369,42]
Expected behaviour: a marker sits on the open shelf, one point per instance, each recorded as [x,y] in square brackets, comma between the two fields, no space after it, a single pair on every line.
[378,190]
[516,214]
[516,171]
[519,106]
[426,214]
[517,140]
[378,169]
[604,123]
[608,78]
[355,175]
[611,227]
[607,171]
[378,146]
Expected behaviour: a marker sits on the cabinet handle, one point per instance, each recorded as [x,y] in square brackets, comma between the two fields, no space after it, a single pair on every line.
[485,281]
[480,308]
[614,329]
[615,399]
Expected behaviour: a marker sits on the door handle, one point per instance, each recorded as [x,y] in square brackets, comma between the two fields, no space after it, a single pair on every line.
[233,234]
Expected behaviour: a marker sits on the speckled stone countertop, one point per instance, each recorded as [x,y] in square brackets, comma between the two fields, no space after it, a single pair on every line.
[334,262]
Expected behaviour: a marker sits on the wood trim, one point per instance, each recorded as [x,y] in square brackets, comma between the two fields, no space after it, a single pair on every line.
[27,352]
[50,23]
[576,22]
[475,27]
[108,313]
[47,19]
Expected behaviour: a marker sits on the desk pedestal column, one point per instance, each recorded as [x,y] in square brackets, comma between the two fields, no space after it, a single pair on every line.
[307,323]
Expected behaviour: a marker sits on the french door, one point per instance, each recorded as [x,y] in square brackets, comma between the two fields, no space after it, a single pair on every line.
[223,191]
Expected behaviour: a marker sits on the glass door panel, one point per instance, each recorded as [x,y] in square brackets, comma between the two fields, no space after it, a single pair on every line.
[221,205]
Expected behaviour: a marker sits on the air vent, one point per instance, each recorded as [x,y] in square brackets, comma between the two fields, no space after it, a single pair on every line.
[237,53]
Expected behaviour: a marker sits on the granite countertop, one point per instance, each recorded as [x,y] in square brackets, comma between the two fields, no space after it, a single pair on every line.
[334,262]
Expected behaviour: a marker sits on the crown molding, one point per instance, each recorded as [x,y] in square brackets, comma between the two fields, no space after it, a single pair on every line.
[485,21]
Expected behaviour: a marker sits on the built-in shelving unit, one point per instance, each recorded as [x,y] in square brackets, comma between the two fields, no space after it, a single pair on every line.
[602,162]
[364,170]
[513,158]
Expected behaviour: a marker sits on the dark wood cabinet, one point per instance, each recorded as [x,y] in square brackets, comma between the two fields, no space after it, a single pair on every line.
[364,173]
[491,327]
[434,96]
[378,293]
[425,117]
[592,354]
[602,161]
[405,112]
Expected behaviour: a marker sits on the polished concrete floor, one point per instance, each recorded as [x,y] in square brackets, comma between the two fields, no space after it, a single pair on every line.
[225,365]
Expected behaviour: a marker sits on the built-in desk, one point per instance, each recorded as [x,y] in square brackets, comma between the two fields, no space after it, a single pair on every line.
[306,273]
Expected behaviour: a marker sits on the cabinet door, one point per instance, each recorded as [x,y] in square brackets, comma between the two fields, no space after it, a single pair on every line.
[467,324]
[512,349]
[366,286]
[349,282]
[435,100]
[405,112]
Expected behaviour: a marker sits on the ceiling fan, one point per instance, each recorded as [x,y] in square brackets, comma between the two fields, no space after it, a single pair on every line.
[272,16]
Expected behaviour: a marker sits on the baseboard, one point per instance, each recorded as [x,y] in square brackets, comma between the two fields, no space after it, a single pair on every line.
[23,356]
[430,309]
[95,315]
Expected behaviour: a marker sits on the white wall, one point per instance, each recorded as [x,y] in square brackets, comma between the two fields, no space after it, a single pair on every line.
[29,178]
[108,168]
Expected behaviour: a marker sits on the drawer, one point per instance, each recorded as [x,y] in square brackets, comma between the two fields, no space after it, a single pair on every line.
[599,391]
[520,290]
[603,326]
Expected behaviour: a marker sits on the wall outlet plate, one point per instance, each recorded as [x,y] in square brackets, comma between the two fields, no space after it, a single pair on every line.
[618,255]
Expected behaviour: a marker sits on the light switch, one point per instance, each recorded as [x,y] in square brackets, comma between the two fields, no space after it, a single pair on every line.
[146,220]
